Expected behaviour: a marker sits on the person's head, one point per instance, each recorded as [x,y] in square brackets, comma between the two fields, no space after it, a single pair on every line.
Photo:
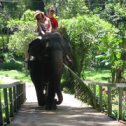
[51,11]
[39,15]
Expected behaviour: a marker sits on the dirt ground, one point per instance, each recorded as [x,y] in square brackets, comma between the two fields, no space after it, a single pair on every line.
[71,112]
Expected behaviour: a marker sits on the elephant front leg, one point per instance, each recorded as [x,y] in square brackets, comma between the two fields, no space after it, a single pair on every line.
[41,97]
[39,87]
[50,101]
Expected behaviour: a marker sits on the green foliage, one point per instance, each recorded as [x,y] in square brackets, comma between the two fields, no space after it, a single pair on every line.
[73,8]
[91,36]
[115,13]
[20,40]
[1,82]
[115,114]
[8,62]
[11,65]
[24,35]
[28,16]
[14,9]
[124,115]
[100,75]
[35,4]
[16,74]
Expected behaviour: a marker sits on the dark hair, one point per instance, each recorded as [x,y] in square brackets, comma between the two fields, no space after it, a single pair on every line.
[39,18]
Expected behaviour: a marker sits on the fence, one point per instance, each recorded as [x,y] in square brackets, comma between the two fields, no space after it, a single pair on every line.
[11,98]
[107,95]
[102,96]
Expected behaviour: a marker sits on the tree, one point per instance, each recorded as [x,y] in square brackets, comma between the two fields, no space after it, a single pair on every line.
[90,37]
[69,9]
[115,13]
[35,5]
[24,35]
[14,8]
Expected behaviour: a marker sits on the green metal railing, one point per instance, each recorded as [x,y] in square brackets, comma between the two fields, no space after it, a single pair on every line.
[11,97]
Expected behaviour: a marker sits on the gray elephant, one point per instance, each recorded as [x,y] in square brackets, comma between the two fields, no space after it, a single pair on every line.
[46,66]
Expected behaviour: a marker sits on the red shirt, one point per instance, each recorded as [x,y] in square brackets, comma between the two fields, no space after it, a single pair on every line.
[54,22]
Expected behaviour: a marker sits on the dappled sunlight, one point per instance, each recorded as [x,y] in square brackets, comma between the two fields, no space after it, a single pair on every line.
[71,112]
[63,116]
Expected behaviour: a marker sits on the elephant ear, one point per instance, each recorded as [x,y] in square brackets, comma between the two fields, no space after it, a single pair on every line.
[35,48]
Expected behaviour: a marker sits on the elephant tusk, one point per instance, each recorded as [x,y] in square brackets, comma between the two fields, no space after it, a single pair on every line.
[32,58]
[39,37]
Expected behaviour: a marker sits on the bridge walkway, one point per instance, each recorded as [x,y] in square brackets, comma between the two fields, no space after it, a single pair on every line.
[71,112]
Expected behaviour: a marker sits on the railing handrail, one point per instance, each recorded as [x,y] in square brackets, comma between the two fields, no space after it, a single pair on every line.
[118,85]
[2,86]
[13,95]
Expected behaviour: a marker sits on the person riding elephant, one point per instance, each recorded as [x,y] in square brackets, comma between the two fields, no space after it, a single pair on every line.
[54,21]
[43,26]
[43,23]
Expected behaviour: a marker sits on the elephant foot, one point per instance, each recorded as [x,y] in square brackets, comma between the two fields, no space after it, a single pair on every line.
[42,101]
[51,107]
[41,104]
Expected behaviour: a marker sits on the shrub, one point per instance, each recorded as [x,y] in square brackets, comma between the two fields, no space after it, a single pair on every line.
[11,65]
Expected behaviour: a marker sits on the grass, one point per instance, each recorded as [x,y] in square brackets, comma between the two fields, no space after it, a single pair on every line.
[104,76]
[97,75]
[24,76]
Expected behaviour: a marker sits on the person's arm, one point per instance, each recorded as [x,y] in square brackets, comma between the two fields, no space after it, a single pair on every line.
[50,25]
[40,28]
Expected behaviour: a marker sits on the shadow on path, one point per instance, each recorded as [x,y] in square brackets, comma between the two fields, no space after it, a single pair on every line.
[71,112]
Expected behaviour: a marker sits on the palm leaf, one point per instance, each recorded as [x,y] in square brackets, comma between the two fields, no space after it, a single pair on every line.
[82,91]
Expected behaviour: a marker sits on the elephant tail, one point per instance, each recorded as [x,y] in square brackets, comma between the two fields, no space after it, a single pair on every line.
[60,98]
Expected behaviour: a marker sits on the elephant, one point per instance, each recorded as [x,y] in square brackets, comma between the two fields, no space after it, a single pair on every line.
[45,64]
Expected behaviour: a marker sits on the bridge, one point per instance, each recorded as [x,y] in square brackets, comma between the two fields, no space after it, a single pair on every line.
[23,110]
[71,112]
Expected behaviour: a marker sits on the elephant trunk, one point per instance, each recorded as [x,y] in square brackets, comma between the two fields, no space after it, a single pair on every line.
[60,98]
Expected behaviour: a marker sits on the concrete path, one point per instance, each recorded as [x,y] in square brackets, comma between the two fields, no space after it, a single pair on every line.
[71,112]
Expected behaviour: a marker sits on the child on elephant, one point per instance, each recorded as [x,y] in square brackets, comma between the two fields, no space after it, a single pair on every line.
[43,23]
[54,21]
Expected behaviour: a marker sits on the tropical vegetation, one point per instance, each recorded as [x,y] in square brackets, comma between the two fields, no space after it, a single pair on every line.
[95,29]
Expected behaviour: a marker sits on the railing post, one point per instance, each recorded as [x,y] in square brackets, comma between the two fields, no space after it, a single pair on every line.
[1,117]
[24,92]
[94,92]
[100,87]
[109,101]
[15,99]
[11,103]
[6,105]
[120,103]
[18,96]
